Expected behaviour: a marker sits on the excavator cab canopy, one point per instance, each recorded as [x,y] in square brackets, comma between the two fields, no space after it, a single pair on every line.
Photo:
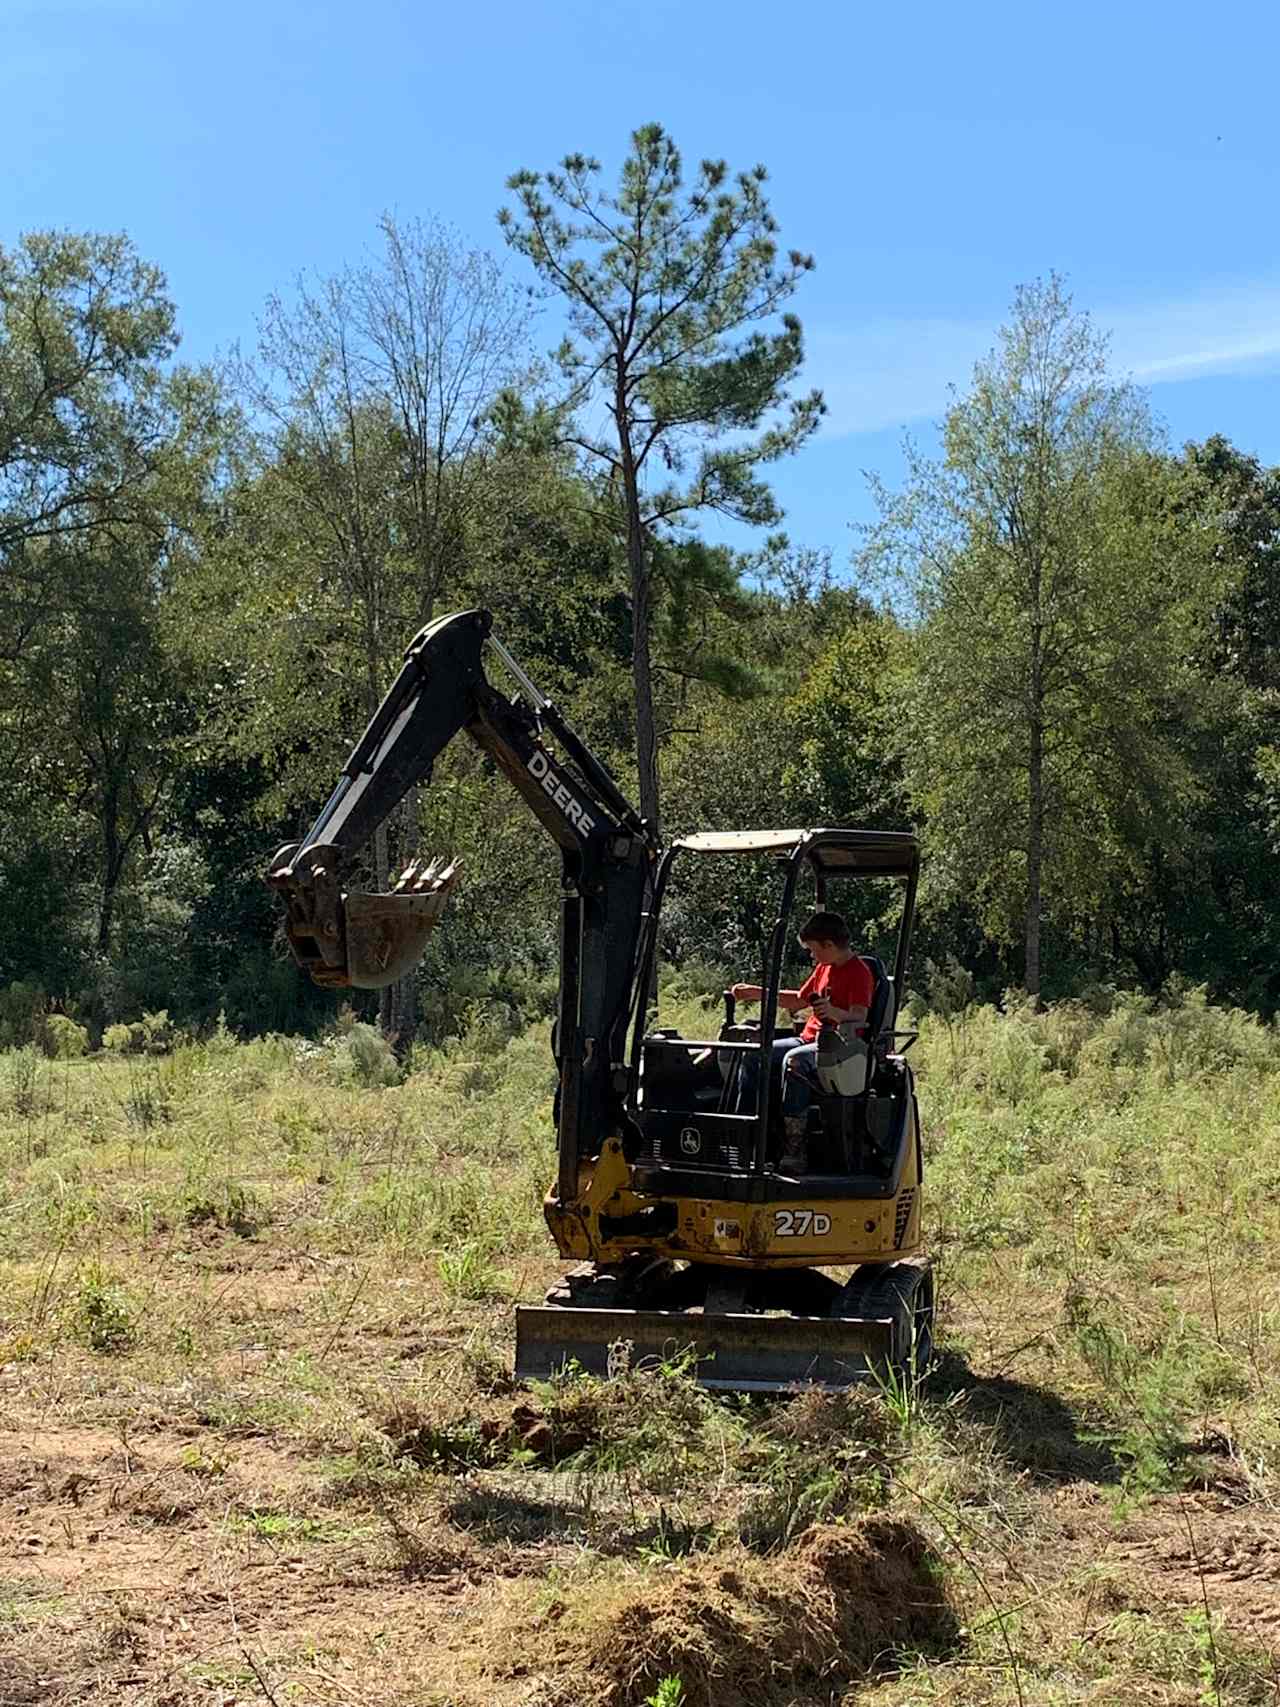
[683,1099]
[827,853]
[874,853]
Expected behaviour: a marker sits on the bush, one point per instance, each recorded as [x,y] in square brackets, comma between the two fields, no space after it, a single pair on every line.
[232,1207]
[1017,1058]
[153,1034]
[946,990]
[19,1073]
[1190,1037]
[1180,1038]
[361,1056]
[64,1040]
[22,1007]
[106,1317]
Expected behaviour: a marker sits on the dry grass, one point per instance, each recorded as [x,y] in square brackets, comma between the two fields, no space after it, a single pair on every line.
[840,1604]
[258,1439]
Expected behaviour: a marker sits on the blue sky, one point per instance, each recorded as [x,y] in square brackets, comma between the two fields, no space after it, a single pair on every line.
[931,157]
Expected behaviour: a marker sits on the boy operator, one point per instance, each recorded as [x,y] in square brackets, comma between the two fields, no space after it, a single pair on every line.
[839,988]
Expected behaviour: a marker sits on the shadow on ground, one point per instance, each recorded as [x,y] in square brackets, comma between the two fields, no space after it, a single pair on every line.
[1031,1427]
[494,1513]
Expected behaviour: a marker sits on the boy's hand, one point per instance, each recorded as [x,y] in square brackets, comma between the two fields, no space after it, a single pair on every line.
[745,992]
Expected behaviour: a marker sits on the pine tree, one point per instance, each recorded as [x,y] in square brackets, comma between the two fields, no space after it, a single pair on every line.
[665,289]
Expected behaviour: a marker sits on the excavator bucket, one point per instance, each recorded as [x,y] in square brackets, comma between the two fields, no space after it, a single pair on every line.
[745,1353]
[347,937]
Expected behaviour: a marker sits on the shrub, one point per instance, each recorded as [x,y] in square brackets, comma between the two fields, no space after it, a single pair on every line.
[1190,1037]
[1017,1057]
[147,1103]
[105,1316]
[21,1008]
[946,990]
[361,1056]
[64,1040]
[19,1072]
[153,1034]
[234,1208]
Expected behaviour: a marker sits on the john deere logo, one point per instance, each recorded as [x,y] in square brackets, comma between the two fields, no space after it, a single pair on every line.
[691,1140]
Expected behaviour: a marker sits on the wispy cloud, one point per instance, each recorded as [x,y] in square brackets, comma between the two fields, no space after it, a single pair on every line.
[889,373]
[1228,331]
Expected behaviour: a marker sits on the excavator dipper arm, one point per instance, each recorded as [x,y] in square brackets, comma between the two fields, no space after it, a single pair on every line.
[347,937]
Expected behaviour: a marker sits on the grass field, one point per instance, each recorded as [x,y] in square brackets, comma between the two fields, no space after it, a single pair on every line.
[259,1441]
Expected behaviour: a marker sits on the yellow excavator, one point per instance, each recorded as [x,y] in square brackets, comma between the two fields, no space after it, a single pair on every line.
[678,1198]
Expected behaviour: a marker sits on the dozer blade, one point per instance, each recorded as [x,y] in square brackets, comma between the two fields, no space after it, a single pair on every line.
[745,1353]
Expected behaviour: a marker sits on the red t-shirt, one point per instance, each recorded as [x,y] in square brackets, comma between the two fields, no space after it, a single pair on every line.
[850,985]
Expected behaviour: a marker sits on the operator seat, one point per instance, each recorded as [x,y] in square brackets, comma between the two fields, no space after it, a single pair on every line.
[882,1010]
[848,1126]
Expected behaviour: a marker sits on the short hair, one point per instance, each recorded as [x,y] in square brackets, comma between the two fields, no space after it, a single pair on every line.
[825,927]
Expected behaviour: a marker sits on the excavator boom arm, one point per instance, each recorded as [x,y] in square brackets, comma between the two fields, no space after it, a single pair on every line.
[348,937]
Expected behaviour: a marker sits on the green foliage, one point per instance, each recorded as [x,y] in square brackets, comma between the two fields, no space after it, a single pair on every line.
[64,1039]
[669,1693]
[84,323]
[22,1007]
[1240,500]
[468,1273]
[158,747]
[665,286]
[153,1034]
[147,1104]
[1055,595]
[944,990]
[233,1207]
[664,291]
[106,1315]
[19,1074]
[360,1055]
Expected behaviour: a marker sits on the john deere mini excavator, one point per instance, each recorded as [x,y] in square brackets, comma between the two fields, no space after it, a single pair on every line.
[687,1234]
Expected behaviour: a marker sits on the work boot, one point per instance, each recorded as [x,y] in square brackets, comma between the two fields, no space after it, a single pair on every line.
[794,1159]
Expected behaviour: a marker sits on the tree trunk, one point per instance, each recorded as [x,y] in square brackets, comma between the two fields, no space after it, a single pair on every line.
[113,857]
[107,902]
[404,992]
[641,670]
[1035,863]
[381,883]
[1035,808]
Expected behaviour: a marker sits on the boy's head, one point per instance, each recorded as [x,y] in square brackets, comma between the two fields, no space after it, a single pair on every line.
[826,936]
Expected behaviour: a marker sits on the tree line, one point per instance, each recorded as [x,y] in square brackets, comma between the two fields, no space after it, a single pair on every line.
[1055,652]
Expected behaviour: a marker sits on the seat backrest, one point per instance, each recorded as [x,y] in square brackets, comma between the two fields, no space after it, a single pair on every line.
[880,1014]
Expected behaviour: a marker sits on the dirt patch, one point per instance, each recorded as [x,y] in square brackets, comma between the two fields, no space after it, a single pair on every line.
[171,1570]
[1232,1563]
[789,1629]
[85,1508]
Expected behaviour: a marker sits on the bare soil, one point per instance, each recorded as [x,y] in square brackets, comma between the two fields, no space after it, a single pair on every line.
[180,1564]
